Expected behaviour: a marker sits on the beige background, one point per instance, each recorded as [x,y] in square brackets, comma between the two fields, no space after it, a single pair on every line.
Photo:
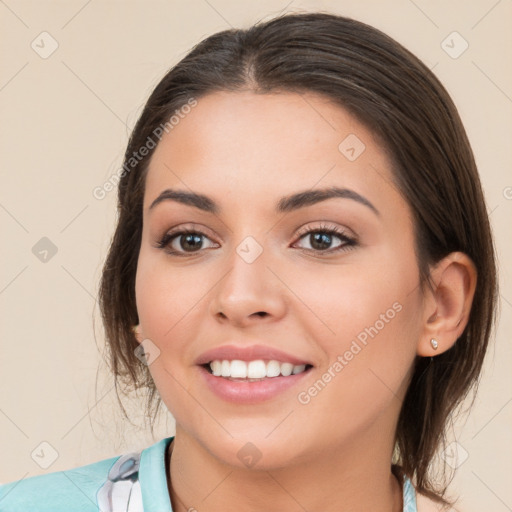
[65,123]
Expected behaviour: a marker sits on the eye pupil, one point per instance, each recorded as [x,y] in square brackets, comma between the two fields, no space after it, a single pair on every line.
[191,241]
[321,241]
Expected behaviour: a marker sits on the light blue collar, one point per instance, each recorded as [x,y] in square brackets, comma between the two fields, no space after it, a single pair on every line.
[409,496]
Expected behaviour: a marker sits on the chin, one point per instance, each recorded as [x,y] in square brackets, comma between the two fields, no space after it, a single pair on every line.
[256,452]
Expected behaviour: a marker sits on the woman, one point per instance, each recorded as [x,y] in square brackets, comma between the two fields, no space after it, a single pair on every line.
[302,271]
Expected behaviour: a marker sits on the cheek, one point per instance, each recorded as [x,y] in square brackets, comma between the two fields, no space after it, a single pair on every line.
[165,297]
[369,317]
[356,301]
[171,304]
[166,300]
[366,363]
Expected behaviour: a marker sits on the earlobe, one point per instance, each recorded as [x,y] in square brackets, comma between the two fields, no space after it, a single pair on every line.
[448,304]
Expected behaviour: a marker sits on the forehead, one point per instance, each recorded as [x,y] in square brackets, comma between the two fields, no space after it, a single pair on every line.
[258,144]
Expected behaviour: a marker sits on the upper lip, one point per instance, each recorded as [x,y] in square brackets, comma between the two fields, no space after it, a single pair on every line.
[248,353]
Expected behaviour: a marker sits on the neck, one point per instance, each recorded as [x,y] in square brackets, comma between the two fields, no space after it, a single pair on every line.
[354,476]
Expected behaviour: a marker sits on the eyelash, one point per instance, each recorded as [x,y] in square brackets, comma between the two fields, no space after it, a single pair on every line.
[349,242]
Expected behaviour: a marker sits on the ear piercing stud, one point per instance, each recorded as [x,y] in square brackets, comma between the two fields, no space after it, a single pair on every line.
[434,343]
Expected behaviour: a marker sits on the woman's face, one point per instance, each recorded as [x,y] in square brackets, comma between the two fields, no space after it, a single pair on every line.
[249,281]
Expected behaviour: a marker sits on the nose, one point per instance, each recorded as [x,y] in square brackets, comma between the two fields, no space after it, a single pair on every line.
[249,293]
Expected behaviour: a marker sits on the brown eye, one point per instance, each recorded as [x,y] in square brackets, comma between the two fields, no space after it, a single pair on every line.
[320,240]
[183,242]
[189,241]
[326,239]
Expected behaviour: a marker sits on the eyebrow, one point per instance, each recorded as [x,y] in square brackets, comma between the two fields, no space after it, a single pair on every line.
[284,205]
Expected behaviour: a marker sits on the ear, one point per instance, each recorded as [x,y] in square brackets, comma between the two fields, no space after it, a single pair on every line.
[137,332]
[447,304]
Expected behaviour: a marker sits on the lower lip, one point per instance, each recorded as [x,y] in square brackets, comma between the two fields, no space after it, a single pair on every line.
[245,392]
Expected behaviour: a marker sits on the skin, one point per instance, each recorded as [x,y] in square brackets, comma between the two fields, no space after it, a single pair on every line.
[246,151]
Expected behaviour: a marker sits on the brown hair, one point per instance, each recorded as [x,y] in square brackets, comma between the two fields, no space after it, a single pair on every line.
[400,100]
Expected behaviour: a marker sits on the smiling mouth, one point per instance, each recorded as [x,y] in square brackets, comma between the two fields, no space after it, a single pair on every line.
[253,371]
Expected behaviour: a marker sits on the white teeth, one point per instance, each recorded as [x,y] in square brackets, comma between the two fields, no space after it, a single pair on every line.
[299,369]
[238,369]
[216,367]
[273,369]
[257,369]
[225,369]
[287,369]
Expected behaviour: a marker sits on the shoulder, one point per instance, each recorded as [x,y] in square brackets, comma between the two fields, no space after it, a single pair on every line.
[73,489]
[108,482]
